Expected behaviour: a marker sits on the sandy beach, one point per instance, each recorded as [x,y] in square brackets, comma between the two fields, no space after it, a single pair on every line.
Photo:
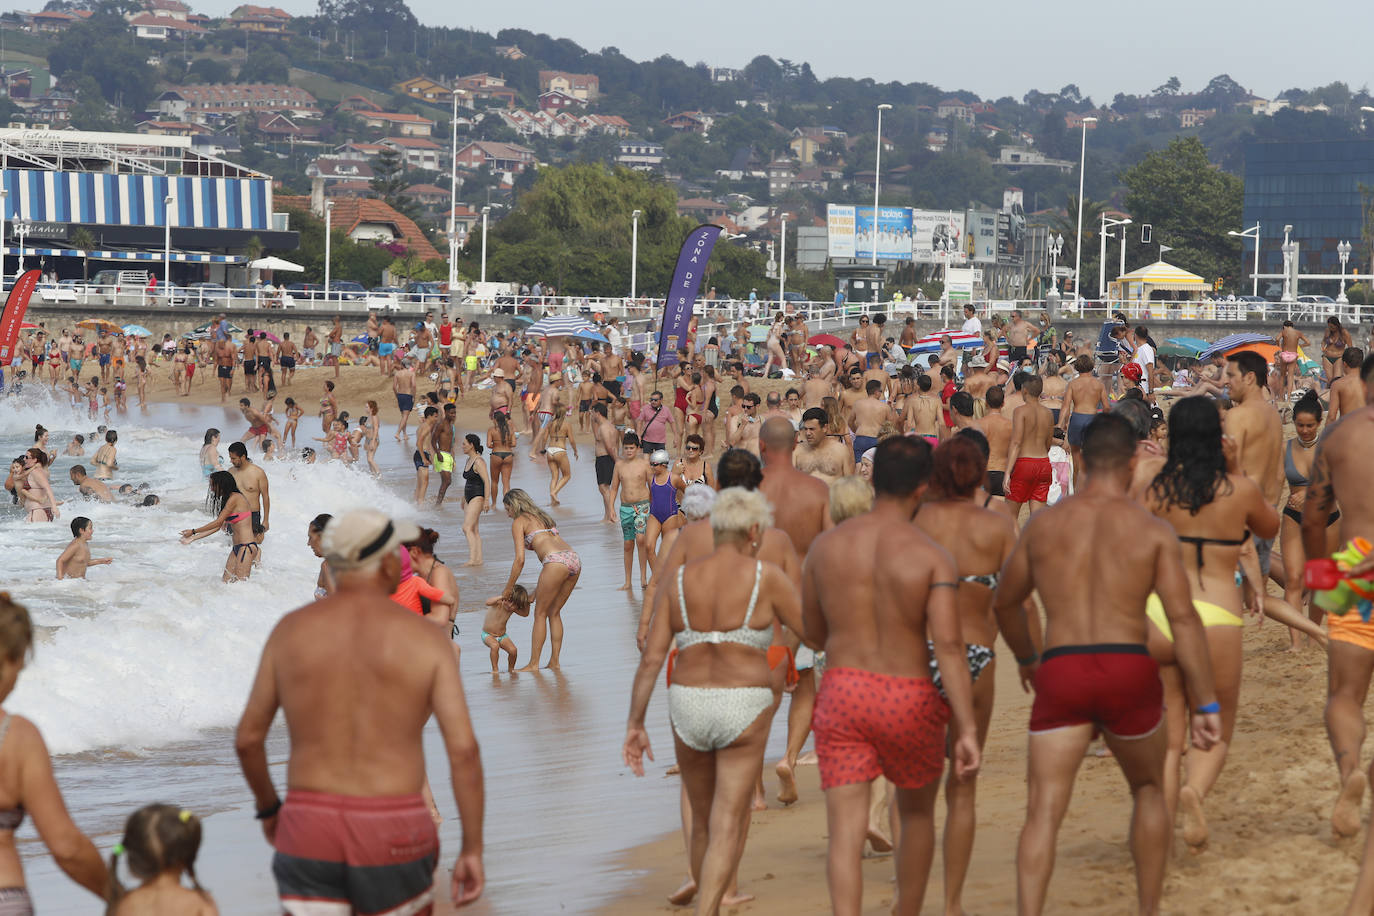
[1271,848]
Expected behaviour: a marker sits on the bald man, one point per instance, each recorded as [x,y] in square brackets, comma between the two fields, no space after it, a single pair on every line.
[801,507]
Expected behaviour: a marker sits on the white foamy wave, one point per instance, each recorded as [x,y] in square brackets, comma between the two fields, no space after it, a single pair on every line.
[154,648]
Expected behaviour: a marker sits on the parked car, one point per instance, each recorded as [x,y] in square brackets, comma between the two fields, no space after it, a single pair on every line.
[1316,300]
[305,290]
[204,293]
[386,291]
[425,293]
[788,297]
[347,290]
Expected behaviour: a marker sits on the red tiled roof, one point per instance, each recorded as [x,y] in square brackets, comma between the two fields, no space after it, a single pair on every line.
[426,189]
[350,213]
[168,22]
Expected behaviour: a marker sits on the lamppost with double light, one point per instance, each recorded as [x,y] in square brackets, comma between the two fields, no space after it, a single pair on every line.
[1056,243]
[1078,239]
[877,171]
[1343,252]
[485,210]
[1288,249]
[1109,223]
[1254,274]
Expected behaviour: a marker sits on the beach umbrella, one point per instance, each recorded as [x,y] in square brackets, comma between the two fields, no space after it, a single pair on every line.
[100,324]
[758,333]
[524,319]
[137,330]
[361,338]
[1268,350]
[196,335]
[1232,341]
[829,340]
[274,263]
[590,333]
[228,326]
[27,326]
[1185,347]
[958,339]
[559,326]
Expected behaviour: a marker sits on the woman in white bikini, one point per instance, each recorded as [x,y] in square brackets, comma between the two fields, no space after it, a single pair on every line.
[558,438]
[720,611]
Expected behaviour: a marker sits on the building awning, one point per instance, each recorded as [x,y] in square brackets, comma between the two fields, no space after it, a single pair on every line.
[156,256]
[1160,275]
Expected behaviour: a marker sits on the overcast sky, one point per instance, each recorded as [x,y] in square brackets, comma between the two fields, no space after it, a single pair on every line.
[993,47]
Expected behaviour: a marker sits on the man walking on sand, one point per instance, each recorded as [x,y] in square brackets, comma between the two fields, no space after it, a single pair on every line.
[630,479]
[607,442]
[357,678]
[1095,558]
[872,588]
[225,358]
[403,386]
[1028,456]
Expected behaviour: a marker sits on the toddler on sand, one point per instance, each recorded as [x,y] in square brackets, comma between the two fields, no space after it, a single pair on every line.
[494,634]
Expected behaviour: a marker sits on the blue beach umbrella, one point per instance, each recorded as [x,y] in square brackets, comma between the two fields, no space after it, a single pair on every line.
[1231,341]
[561,326]
[136,330]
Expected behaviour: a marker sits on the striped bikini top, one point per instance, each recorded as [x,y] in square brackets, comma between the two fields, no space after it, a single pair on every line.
[743,634]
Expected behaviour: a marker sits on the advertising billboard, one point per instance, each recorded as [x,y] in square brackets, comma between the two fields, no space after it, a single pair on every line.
[890,232]
[939,237]
[1011,229]
[839,225]
[981,242]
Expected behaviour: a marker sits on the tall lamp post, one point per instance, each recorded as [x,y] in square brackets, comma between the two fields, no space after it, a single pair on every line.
[167,244]
[782,262]
[634,251]
[877,171]
[328,231]
[1056,248]
[1108,223]
[1252,233]
[4,219]
[1288,249]
[1078,239]
[453,200]
[485,211]
[1343,252]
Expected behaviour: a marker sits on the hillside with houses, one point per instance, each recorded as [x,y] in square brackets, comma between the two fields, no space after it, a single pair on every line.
[363,102]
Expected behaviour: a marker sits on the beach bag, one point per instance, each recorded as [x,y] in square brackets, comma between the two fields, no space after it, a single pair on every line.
[1061,467]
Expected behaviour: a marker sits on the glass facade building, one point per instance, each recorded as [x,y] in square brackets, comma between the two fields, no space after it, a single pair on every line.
[1314,186]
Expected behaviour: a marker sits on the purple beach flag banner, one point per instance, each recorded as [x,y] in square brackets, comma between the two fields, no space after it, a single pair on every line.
[682,294]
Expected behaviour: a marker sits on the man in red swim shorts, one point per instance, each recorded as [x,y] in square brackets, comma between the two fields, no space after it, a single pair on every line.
[870,588]
[357,679]
[1028,458]
[1095,557]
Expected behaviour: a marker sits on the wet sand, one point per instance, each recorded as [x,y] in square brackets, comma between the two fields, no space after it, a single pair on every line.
[1271,847]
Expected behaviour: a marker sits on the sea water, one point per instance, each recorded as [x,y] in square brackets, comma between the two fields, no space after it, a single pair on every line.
[141,670]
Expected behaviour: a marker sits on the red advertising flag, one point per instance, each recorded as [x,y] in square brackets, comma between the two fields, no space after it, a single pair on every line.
[13,315]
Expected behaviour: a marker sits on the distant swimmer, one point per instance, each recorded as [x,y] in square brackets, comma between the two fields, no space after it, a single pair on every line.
[89,486]
[77,557]
[494,635]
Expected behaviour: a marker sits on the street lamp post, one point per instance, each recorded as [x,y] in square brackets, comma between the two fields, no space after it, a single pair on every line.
[1343,252]
[453,201]
[1108,223]
[328,231]
[782,263]
[1254,274]
[1288,250]
[634,252]
[485,211]
[877,171]
[167,244]
[1056,244]
[1078,239]
[4,218]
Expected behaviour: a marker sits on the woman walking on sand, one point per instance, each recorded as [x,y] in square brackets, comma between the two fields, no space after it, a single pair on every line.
[501,444]
[719,610]
[534,529]
[558,439]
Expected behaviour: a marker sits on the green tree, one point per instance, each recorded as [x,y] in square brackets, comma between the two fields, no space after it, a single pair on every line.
[82,240]
[1191,205]
[264,66]
[209,70]
[103,49]
[389,178]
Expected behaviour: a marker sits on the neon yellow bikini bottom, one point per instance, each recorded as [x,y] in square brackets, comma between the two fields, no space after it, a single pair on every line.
[1213,615]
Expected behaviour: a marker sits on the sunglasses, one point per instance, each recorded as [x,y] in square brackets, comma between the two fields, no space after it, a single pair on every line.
[693,448]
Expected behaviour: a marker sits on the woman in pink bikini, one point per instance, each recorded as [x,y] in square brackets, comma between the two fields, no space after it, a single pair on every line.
[233,512]
[534,529]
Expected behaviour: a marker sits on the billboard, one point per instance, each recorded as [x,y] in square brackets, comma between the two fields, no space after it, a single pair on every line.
[853,232]
[981,242]
[1011,229]
[839,225]
[937,232]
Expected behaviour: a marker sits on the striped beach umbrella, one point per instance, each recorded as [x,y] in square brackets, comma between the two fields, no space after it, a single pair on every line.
[560,326]
[1232,341]
[958,339]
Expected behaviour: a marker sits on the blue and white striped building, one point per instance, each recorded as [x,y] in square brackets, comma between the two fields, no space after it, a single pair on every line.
[125,189]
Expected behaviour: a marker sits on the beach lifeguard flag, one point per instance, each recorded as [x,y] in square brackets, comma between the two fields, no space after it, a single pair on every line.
[13,315]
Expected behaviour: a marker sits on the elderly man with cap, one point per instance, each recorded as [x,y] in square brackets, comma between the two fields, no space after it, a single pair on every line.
[500,393]
[357,678]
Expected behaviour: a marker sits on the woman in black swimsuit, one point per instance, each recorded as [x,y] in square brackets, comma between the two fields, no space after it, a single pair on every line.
[1297,466]
[501,442]
[476,482]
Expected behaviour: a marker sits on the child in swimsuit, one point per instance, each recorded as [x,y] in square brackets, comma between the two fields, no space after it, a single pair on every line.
[494,635]
[293,415]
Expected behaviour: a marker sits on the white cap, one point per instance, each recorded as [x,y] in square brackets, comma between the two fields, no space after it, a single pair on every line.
[660,456]
[361,536]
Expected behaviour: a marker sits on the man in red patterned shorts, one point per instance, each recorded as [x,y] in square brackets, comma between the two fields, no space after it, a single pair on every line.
[871,588]
[1095,557]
